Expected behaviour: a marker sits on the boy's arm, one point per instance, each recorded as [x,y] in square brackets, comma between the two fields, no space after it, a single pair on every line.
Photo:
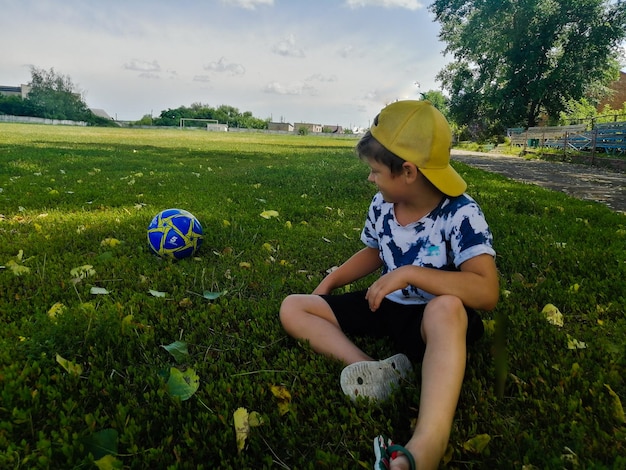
[359,265]
[476,284]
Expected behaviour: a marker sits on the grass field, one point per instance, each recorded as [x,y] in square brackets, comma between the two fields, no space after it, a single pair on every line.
[149,369]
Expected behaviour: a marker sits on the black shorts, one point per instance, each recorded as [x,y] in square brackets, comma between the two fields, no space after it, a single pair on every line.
[401,323]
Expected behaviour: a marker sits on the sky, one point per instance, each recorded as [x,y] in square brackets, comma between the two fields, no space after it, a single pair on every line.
[329,62]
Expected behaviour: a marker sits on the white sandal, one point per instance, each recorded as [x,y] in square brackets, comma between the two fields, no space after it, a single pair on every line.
[374,379]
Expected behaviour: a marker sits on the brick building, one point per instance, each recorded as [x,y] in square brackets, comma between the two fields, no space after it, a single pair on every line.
[617,99]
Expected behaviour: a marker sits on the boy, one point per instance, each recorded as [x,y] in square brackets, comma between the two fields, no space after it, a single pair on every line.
[438,265]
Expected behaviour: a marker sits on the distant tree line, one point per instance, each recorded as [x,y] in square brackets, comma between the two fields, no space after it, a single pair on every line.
[223,114]
[52,96]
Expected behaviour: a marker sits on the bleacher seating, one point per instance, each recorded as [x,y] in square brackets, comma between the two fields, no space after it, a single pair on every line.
[607,137]
[539,136]
[611,137]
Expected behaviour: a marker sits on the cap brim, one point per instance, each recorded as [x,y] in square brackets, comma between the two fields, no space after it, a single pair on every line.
[446,180]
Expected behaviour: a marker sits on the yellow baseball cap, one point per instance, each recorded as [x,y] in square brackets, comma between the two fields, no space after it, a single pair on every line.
[417,132]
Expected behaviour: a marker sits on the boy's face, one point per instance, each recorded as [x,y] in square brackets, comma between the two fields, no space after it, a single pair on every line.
[385,181]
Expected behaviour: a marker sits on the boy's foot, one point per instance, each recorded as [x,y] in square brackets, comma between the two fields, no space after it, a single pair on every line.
[385,451]
[374,379]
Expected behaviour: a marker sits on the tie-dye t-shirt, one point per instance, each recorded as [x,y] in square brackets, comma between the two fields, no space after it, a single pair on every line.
[452,233]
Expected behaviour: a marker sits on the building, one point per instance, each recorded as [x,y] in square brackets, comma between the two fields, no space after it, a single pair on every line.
[280,126]
[100,113]
[616,99]
[315,128]
[22,90]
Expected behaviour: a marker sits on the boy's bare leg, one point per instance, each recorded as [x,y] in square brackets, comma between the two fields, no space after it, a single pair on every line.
[308,317]
[444,328]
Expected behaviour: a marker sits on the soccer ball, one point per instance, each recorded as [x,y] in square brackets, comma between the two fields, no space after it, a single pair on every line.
[174,233]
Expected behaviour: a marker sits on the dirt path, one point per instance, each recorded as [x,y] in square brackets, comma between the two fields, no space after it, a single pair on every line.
[583,182]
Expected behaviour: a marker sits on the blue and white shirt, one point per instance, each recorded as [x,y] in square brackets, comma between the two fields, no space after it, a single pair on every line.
[455,231]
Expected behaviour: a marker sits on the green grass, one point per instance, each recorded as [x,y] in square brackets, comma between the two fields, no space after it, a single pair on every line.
[66,192]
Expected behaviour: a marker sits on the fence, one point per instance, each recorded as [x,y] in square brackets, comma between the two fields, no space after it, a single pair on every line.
[36,120]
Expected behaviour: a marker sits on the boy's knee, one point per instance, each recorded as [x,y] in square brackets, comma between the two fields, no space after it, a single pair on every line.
[447,311]
[286,309]
[291,309]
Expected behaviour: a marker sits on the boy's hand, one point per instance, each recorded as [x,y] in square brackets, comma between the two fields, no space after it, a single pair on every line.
[385,285]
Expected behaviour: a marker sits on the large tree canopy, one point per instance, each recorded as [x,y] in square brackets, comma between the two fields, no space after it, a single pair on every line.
[54,96]
[516,59]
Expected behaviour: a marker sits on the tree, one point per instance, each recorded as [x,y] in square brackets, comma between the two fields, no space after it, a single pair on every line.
[438,100]
[517,59]
[223,114]
[54,96]
[15,105]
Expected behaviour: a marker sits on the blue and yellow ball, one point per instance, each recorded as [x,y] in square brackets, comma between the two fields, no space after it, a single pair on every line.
[174,233]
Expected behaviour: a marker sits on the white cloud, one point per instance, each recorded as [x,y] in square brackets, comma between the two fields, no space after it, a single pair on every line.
[248,4]
[287,47]
[408,4]
[318,77]
[222,66]
[149,75]
[294,88]
[202,78]
[346,51]
[143,66]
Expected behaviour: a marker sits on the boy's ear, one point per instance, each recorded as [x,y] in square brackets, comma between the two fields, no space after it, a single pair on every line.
[410,171]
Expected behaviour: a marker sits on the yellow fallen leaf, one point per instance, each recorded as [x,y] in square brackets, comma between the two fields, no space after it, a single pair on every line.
[245,264]
[81,272]
[110,242]
[242,427]
[573,343]
[269,214]
[17,269]
[56,309]
[108,462]
[616,405]
[69,366]
[255,419]
[553,315]
[283,396]
[477,443]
